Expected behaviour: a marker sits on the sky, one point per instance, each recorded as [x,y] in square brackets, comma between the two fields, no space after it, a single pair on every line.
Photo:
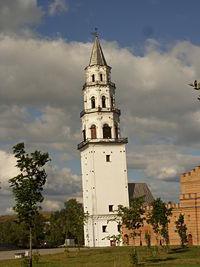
[153,47]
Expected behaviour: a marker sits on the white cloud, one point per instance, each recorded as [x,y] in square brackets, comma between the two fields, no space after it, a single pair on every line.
[61,184]
[40,101]
[7,169]
[57,7]
[61,181]
[161,162]
[16,15]
[51,205]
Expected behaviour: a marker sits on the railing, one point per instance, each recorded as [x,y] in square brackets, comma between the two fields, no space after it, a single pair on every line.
[103,140]
[99,109]
[98,83]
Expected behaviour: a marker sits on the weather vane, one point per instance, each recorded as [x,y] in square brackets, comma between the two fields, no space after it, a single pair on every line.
[196,86]
[95,33]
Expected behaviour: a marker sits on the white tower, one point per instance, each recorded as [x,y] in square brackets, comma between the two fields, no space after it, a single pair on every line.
[103,153]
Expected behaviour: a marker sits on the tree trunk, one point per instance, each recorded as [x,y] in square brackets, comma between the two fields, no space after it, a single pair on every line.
[30,248]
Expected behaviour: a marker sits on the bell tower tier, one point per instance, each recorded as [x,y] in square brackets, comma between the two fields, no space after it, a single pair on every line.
[103,153]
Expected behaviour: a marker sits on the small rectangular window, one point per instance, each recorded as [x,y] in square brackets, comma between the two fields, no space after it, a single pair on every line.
[107,158]
[119,227]
[93,78]
[110,207]
[104,228]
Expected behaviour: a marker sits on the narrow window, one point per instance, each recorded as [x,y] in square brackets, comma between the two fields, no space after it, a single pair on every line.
[84,135]
[103,99]
[106,131]
[107,158]
[101,77]
[93,78]
[116,132]
[104,228]
[93,102]
[110,208]
[119,227]
[112,101]
[93,132]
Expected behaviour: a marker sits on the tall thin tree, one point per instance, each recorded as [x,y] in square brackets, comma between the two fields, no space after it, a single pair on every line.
[28,185]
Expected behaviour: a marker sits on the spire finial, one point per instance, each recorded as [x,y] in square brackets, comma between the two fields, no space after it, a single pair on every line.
[95,33]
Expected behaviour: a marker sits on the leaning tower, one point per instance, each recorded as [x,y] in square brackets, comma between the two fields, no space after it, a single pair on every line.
[103,153]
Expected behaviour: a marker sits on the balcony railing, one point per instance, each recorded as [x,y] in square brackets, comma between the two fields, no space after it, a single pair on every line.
[99,109]
[98,83]
[103,140]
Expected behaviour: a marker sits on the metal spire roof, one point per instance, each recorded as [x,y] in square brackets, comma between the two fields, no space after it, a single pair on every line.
[97,57]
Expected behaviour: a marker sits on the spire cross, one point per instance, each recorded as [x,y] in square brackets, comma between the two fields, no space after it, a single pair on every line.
[95,33]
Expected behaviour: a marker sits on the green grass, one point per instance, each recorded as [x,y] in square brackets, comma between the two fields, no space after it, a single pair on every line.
[116,257]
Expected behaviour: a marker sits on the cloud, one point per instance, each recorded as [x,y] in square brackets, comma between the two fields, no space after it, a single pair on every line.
[50,205]
[161,162]
[41,97]
[61,184]
[7,170]
[17,15]
[57,7]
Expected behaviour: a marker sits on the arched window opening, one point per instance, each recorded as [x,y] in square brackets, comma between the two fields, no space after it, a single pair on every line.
[93,102]
[84,135]
[93,78]
[93,132]
[116,132]
[106,131]
[103,99]
[101,77]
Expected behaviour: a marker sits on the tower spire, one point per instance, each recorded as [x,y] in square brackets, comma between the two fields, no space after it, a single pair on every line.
[97,56]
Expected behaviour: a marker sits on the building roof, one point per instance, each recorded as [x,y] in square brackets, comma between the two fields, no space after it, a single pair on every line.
[138,190]
[97,57]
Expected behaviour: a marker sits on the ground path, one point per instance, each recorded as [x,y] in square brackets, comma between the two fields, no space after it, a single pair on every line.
[7,255]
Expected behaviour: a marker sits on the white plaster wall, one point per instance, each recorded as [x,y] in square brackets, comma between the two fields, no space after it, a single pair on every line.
[94,237]
[97,70]
[97,92]
[104,184]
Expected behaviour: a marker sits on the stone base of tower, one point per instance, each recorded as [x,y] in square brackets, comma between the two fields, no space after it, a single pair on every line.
[100,231]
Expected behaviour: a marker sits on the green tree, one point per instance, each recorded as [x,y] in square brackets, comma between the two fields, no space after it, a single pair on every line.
[182,230]
[67,223]
[158,217]
[27,186]
[132,217]
[55,232]
[75,218]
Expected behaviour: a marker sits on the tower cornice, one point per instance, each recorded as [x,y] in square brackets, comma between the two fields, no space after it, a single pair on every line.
[100,110]
[103,141]
[99,84]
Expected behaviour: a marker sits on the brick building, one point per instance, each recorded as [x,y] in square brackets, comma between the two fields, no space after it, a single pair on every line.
[189,205]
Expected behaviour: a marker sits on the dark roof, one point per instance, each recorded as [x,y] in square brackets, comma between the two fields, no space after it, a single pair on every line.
[138,190]
[97,57]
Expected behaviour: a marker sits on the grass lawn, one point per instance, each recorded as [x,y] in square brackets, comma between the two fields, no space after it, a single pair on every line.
[116,257]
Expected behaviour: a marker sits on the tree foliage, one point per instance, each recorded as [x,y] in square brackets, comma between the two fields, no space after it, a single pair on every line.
[67,223]
[158,217]
[132,217]
[27,186]
[13,233]
[182,230]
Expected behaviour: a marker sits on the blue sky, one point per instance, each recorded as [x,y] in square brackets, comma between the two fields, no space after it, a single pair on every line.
[153,48]
[130,22]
